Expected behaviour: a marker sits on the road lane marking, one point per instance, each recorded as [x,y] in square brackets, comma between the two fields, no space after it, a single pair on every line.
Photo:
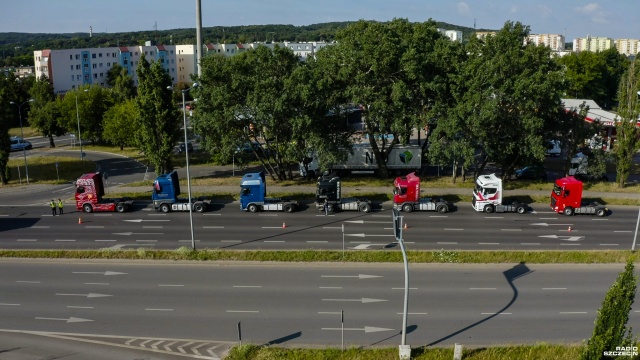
[332,227]
[212,214]
[247,286]
[554,288]
[599,219]
[621,231]
[529,243]
[482,288]
[230,241]
[324,215]
[448,229]
[502,313]
[413,313]
[7,304]
[156,214]
[267,214]
[573,312]
[317,241]
[330,287]
[274,241]
[438,216]
[64,240]
[188,240]
[411,288]
[483,243]
[243,311]
[511,229]
[169,285]
[151,227]
[494,217]
[554,218]
[272,227]
[329,312]
[146,240]
[569,244]
[159,309]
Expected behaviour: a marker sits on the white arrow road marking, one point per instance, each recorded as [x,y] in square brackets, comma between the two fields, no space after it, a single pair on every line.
[359,276]
[69,320]
[141,220]
[89,295]
[562,237]
[362,300]
[168,346]
[367,222]
[132,233]
[180,348]
[362,247]
[546,224]
[145,342]
[106,273]
[155,344]
[367,329]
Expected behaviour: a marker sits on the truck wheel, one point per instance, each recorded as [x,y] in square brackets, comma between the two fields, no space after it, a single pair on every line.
[288,208]
[87,208]
[488,208]
[165,208]
[601,212]
[120,207]
[198,207]
[443,209]
[568,211]
[365,208]
[407,208]
[521,209]
[252,208]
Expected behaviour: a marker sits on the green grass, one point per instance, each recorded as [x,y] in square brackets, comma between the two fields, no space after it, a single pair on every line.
[415,257]
[537,352]
[42,169]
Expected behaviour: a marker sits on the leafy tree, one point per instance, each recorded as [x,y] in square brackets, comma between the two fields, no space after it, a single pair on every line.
[611,323]
[8,93]
[572,128]
[121,84]
[119,124]
[114,73]
[394,70]
[87,106]
[627,141]
[158,120]
[245,100]
[506,99]
[44,113]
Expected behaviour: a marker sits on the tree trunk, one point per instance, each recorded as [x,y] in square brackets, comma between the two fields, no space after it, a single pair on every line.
[51,142]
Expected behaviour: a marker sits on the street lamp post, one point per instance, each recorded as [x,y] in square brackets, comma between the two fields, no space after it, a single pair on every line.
[24,151]
[186,154]
[78,119]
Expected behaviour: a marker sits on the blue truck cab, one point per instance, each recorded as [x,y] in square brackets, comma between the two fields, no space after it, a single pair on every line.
[253,192]
[166,190]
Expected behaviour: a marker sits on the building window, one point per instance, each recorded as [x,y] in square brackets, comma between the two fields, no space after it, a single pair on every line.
[100,55]
[71,77]
[86,77]
[95,66]
[85,56]
[95,76]
[77,56]
[86,66]
[108,64]
[70,57]
[93,56]
[77,77]
[136,53]
[71,67]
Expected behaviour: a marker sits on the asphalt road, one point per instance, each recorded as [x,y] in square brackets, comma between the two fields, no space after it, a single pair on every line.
[227,227]
[298,305]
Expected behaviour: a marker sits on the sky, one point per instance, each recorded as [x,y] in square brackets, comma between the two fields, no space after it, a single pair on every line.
[573,18]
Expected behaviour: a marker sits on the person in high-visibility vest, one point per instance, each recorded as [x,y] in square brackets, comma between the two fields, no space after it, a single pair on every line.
[53,207]
[60,207]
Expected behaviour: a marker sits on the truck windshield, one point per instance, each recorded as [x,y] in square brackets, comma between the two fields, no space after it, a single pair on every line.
[485,191]
[557,189]
[401,191]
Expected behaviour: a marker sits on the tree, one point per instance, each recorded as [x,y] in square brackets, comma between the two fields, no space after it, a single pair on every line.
[122,85]
[158,120]
[611,322]
[399,73]
[245,101]
[87,106]
[8,92]
[44,113]
[573,129]
[627,141]
[507,97]
[119,124]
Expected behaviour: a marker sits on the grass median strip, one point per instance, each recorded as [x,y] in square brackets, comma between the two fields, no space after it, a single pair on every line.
[440,256]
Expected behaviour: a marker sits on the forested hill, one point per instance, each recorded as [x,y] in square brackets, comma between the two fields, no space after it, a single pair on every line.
[17,48]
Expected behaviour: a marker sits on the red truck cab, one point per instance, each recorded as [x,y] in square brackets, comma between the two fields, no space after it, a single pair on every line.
[406,189]
[90,192]
[566,198]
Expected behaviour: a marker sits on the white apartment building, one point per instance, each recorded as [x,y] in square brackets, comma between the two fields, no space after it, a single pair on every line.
[628,47]
[553,41]
[453,35]
[594,44]
[71,68]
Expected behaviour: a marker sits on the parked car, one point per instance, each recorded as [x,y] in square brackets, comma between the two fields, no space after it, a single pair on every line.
[533,172]
[18,144]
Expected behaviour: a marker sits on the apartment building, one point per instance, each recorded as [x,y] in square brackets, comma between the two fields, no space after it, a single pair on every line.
[453,35]
[553,41]
[71,68]
[628,47]
[594,44]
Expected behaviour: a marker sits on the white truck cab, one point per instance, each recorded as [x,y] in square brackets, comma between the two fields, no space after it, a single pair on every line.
[487,196]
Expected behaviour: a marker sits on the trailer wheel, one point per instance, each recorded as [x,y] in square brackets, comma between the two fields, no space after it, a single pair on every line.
[443,209]
[198,207]
[121,207]
[407,208]
[521,209]
[165,208]
[365,208]
[288,208]
[252,208]
[87,208]
[488,208]
[568,211]
[601,212]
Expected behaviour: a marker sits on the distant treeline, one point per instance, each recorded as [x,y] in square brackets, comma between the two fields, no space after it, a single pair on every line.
[16,49]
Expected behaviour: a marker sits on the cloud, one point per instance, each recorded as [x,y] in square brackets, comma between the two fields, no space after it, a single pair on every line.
[544,11]
[595,12]
[514,9]
[463,8]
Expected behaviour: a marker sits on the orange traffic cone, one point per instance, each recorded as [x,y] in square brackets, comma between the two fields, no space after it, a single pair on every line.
[569,228]
[284,225]
[405,226]
[79,220]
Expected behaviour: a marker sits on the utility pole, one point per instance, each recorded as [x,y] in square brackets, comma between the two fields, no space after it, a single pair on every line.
[199,36]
